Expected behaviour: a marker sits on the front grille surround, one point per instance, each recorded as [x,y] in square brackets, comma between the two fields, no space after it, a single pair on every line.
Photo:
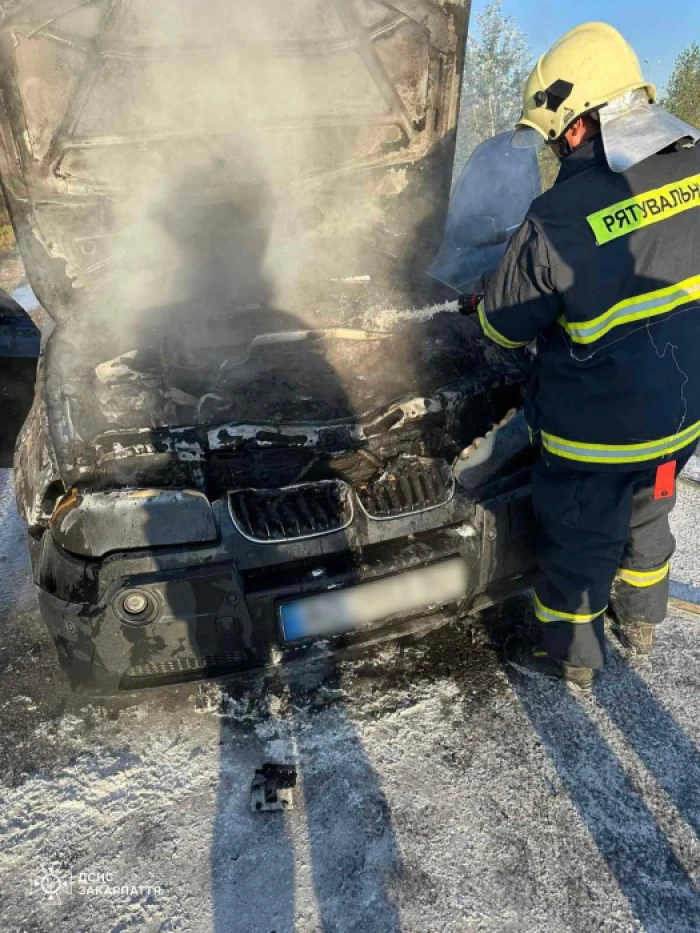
[292,513]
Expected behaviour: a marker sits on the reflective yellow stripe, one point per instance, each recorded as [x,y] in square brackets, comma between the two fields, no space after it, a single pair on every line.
[491,332]
[625,217]
[644,578]
[650,304]
[544,614]
[620,453]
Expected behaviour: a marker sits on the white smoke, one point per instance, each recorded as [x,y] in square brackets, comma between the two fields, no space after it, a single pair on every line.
[226,170]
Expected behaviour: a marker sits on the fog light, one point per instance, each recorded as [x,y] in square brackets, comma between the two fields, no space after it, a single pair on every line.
[135,604]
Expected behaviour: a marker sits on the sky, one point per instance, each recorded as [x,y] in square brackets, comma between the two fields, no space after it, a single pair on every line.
[658,32]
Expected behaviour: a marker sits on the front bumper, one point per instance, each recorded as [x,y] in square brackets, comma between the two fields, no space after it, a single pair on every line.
[213,609]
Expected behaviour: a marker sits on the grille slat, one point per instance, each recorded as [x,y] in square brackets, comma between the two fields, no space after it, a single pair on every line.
[321,517]
[406,492]
[245,516]
[431,484]
[261,526]
[393,497]
[306,513]
[289,519]
[278,522]
[418,491]
[413,484]
[272,515]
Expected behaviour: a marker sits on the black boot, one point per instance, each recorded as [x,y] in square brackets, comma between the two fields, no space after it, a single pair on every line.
[636,635]
[529,659]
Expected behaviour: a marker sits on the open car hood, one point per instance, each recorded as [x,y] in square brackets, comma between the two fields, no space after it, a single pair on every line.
[292,153]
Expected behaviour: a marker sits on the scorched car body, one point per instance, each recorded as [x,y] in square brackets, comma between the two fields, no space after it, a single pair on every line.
[227,209]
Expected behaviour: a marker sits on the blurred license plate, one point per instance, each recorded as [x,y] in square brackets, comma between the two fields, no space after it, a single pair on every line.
[354,607]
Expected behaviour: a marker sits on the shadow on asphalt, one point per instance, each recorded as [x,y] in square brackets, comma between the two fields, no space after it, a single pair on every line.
[664,748]
[643,862]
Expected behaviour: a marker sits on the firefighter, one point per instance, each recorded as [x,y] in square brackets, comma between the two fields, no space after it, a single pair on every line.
[604,274]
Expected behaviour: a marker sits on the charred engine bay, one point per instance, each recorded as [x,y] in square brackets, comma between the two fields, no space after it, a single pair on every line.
[275,408]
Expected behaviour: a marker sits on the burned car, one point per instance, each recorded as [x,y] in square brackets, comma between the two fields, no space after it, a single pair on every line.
[243,440]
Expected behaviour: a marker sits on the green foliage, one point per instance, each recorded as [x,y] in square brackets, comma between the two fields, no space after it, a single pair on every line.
[498,63]
[683,89]
[7,239]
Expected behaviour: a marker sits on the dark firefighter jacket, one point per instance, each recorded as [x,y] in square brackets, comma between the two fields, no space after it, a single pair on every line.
[605,273]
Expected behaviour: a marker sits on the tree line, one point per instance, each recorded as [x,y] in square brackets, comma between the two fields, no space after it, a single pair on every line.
[498,62]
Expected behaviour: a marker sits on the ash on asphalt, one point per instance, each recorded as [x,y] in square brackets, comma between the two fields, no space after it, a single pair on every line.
[436,792]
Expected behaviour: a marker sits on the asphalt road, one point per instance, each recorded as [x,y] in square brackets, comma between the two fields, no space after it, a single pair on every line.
[436,792]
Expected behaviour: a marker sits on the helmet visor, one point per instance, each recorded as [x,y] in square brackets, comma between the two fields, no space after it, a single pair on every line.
[525,137]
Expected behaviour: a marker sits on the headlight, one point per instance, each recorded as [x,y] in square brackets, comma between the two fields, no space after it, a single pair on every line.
[99,523]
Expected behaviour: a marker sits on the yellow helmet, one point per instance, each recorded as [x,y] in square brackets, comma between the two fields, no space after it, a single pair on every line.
[587,68]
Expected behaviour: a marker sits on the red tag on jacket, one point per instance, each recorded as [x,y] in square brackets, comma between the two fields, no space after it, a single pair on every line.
[665,480]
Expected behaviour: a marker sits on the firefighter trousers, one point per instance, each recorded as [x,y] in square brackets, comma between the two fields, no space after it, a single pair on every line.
[603,539]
